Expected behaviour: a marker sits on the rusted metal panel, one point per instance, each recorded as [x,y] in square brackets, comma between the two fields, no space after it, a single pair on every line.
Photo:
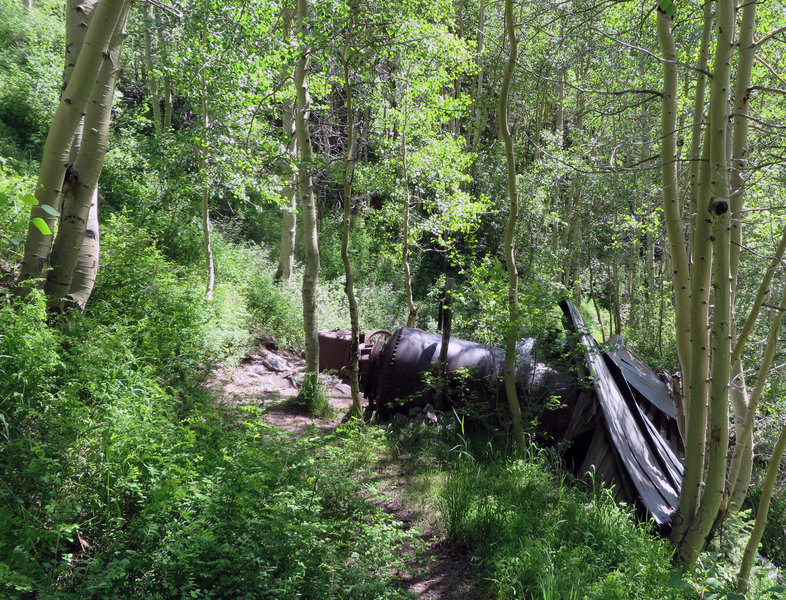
[335,347]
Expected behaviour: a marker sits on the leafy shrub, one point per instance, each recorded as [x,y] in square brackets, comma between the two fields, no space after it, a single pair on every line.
[157,309]
[276,308]
[30,76]
[13,218]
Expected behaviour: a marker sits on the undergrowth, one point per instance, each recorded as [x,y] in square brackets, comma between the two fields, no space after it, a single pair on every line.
[535,536]
[122,478]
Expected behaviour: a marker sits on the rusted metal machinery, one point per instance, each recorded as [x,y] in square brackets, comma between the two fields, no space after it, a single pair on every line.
[620,421]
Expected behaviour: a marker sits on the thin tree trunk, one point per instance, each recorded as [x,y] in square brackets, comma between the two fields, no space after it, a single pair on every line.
[204,164]
[671,202]
[286,252]
[86,268]
[349,284]
[694,450]
[741,464]
[478,126]
[595,301]
[306,201]
[770,480]
[447,322]
[152,78]
[413,309]
[701,521]
[698,109]
[167,125]
[745,432]
[510,232]
[286,249]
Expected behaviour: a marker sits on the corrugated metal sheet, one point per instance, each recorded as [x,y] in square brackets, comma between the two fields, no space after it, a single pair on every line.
[643,379]
[654,470]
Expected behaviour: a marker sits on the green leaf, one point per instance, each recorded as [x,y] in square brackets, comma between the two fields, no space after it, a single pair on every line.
[676,581]
[29,200]
[41,225]
[667,6]
[16,240]
[50,210]
[735,596]
[713,583]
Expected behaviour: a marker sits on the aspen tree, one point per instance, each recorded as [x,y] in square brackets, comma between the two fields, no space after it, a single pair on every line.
[705,289]
[57,148]
[346,182]
[306,202]
[510,231]
[82,197]
[204,163]
[405,233]
[286,247]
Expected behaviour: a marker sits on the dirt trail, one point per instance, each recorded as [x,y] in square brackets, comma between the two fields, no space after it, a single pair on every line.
[254,382]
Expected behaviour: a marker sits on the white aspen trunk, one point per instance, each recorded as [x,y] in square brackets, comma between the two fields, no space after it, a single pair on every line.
[286,247]
[741,465]
[349,285]
[78,14]
[413,309]
[286,253]
[86,268]
[698,109]
[204,165]
[66,120]
[87,166]
[700,523]
[152,78]
[671,202]
[167,125]
[690,494]
[478,127]
[745,431]
[770,480]
[510,232]
[306,200]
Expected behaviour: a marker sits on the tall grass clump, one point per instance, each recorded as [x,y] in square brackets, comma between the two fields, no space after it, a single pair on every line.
[533,536]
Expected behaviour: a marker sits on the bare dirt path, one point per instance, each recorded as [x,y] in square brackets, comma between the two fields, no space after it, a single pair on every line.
[269,380]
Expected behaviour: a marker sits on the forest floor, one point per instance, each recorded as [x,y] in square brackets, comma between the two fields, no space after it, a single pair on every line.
[263,380]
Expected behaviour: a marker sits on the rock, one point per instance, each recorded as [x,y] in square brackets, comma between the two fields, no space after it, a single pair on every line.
[277,364]
[257,370]
[415,411]
[399,421]
[343,388]
[296,379]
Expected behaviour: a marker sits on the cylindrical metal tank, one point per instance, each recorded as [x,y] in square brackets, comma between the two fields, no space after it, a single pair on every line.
[400,366]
